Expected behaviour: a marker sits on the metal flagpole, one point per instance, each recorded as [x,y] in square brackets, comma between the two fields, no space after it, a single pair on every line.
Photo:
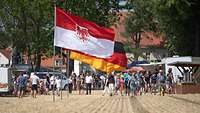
[68,70]
[61,76]
[54,51]
[53,91]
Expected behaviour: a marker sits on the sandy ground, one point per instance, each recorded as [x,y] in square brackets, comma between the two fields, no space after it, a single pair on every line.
[96,103]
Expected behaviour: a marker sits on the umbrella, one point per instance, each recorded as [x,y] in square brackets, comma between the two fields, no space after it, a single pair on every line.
[135,69]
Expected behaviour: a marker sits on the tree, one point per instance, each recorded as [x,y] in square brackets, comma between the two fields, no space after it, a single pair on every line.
[102,12]
[139,19]
[176,19]
[27,25]
[179,20]
[14,24]
[42,20]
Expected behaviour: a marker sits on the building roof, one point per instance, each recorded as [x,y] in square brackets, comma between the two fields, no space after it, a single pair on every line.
[185,64]
[49,62]
[6,52]
[150,39]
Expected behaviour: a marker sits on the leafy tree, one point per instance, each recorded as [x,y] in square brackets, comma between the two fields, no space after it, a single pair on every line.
[26,25]
[139,19]
[42,28]
[179,20]
[102,12]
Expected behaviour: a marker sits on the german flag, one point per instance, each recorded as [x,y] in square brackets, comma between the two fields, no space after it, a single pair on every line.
[117,62]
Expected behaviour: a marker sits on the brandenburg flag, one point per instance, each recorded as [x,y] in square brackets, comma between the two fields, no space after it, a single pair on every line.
[75,33]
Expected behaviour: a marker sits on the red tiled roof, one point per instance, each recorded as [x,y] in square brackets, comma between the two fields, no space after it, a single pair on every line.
[48,62]
[151,39]
[6,52]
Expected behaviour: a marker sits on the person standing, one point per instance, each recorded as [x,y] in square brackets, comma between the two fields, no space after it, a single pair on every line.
[70,85]
[58,85]
[26,76]
[74,80]
[46,84]
[121,85]
[106,89]
[133,85]
[147,79]
[161,82]
[103,81]
[34,81]
[53,82]
[22,84]
[111,81]
[169,81]
[79,83]
[88,81]
[126,85]
[138,79]
[153,82]
[117,84]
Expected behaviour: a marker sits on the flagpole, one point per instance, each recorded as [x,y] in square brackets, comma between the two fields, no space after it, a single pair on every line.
[53,74]
[61,76]
[54,51]
[68,70]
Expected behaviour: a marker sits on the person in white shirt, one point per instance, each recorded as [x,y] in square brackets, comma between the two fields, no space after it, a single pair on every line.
[106,89]
[34,81]
[58,85]
[53,82]
[88,81]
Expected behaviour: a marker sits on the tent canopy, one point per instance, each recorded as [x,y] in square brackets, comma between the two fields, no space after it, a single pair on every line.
[136,63]
[192,66]
[135,69]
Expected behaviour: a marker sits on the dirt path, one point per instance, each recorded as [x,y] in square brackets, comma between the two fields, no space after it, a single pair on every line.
[170,104]
[96,103]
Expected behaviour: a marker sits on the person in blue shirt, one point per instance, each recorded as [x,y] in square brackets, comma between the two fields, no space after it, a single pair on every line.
[21,85]
[126,85]
[133,85]
[161,79]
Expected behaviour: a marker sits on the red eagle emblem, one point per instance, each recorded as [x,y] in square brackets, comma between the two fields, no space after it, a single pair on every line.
[82,33]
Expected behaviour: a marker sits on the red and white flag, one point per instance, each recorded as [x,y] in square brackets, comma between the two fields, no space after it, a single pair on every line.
[75,33]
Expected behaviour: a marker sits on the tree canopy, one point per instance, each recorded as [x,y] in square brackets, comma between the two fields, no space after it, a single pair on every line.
[178,20]
[27,26]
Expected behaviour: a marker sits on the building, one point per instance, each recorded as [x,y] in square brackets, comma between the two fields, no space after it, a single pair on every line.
[5,57]
[58,62]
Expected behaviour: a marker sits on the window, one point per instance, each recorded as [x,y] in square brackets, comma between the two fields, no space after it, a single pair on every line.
[58,62]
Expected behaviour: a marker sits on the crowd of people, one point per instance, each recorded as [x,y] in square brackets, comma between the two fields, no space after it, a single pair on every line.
[140,82]
[124,83]
[85,81]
